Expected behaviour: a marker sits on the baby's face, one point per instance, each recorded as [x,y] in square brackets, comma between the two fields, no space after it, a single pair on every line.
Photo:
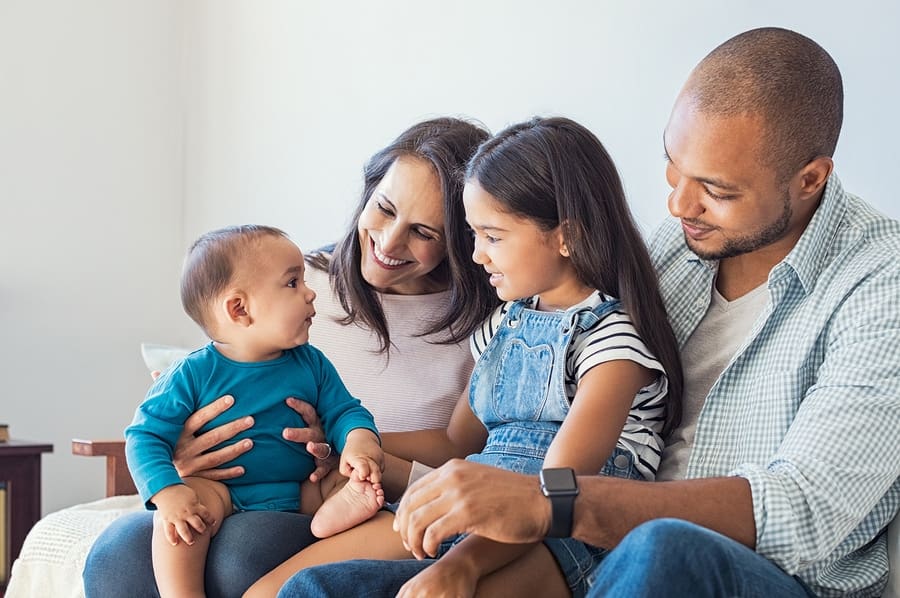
[279,302]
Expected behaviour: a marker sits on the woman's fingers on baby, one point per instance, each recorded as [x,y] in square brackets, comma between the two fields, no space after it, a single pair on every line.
[319,450]
[207,413]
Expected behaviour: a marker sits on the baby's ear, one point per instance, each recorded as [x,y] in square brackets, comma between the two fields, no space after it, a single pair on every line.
[236,308]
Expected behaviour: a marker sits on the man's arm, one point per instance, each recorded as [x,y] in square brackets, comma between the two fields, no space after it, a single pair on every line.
[469,497]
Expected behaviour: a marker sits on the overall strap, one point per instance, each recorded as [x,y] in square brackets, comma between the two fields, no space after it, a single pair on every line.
[587,318]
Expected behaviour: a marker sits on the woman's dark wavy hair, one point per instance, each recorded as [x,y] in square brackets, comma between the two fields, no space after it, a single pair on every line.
[447,144]
[554,171]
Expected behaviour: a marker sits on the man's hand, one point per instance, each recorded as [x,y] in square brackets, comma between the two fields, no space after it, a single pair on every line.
[464,497]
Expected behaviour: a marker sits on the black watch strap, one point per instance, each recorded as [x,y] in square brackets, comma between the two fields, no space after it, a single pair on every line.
[560,487]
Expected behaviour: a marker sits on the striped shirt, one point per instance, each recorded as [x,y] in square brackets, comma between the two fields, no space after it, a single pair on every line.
[808,409]
[612,338]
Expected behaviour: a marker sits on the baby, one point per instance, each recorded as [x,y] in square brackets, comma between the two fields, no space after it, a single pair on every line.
[244,286]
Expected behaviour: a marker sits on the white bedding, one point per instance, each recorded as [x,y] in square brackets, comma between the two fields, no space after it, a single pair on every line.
[53,555]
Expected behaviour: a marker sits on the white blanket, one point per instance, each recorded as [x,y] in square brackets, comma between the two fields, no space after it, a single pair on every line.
[53,554]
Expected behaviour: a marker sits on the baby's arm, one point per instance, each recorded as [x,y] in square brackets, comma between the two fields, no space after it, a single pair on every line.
[181,512]
[362,456]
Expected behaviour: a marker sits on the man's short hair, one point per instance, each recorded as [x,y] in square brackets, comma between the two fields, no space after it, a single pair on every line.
[787,80]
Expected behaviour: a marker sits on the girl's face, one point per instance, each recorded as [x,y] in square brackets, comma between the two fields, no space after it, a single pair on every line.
[401,230]
[521,259]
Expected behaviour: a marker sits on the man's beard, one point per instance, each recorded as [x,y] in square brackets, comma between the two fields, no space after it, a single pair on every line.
[772,232]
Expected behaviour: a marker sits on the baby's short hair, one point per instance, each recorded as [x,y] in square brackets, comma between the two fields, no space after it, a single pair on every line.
[210,265]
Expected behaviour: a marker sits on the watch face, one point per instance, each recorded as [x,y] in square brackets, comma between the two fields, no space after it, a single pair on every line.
[558,479]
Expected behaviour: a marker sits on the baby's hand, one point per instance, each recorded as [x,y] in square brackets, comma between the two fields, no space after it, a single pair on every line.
[362,457]
[180,512]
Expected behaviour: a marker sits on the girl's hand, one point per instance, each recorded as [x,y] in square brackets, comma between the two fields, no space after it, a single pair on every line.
[442,579]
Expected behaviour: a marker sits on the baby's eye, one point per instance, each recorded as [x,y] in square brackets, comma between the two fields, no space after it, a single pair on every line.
[292,283]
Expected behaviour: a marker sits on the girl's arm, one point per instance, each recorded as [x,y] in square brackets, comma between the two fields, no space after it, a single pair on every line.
[590,431]
[464,435]
[584,442]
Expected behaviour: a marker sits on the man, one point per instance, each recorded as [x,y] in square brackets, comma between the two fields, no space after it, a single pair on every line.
[783,291]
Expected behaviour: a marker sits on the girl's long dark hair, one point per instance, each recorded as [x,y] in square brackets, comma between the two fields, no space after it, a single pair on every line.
[447,144]
[554,172]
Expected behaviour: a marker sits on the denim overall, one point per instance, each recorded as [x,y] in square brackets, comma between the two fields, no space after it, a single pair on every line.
[518,391]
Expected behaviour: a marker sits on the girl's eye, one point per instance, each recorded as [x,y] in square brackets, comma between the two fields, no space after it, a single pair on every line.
[292,283]
[491,239]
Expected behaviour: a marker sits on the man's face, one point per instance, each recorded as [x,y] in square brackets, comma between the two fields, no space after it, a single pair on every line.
[729,202]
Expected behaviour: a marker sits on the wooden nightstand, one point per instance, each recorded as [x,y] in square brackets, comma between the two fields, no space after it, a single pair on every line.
[20,470]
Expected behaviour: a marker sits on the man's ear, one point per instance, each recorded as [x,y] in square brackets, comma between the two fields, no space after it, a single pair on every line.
[236,308]
[812,177]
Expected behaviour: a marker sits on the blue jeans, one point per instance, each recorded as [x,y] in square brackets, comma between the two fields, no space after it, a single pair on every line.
[665,557]
[248,545]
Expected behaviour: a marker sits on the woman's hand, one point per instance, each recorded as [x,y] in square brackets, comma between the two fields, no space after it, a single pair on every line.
[314,437]
[191,458]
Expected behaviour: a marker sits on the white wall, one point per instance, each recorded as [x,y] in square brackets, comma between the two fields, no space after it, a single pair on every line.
[91,169]
[288,99]
[129,113]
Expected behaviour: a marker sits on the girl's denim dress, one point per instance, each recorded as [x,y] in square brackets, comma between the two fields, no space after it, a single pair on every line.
[518,391]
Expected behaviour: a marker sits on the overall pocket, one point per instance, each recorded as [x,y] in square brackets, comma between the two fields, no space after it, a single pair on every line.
[523,379]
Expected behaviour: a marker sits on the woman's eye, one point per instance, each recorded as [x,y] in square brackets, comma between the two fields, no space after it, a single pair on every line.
[491,239]
[423,235]
[384,209]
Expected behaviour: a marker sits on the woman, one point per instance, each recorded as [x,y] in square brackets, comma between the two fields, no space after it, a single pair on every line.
[398,297]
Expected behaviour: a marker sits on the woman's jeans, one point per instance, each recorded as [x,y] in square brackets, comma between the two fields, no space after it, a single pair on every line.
[248,546]
[665,557]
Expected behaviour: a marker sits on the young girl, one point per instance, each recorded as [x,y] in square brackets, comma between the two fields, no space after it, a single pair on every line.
[578,368]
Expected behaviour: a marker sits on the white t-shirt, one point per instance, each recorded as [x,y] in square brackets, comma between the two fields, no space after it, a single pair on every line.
[704,356]
[612,338]
[416,384]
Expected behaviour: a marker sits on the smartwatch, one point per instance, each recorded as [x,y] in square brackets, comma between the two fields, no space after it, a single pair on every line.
[560,486]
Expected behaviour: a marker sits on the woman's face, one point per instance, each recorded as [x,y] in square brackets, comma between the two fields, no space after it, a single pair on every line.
[401,230]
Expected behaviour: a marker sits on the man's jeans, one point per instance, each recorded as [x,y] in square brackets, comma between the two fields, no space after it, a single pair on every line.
[665,557]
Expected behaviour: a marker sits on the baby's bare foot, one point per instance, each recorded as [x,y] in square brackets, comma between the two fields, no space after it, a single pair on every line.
[356,502]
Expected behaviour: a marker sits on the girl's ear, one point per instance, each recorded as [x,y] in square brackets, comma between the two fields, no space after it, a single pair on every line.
[236,309]
[561,240]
